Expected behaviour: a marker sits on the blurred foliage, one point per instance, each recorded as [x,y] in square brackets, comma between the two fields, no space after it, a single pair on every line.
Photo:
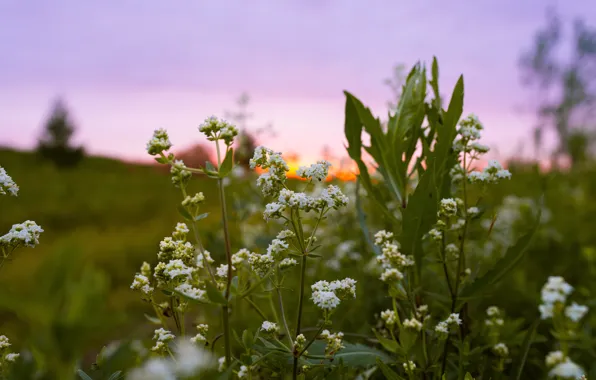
[105,217]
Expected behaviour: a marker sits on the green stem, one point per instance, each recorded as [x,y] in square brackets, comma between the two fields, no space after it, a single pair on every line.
[225,308]
[312,340]
[257,309]
[283,315]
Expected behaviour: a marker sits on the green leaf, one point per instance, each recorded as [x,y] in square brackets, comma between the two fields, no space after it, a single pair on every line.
[153,319]
[407,338]
[116,375]
[388,344]
[228,163]
[161,160]
[468,376]
[359,355]
[247,339]
[215,295]
[185,214]
[525,349]
[388,372]
[210,170]
[202,216]
[504,265]
[352,128]
[83,375]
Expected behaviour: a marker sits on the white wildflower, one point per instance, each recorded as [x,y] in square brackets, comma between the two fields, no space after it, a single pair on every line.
[287,263]
[555,357]
[383,237]
[141,283]
[192,292]
[567,370]
[26,233]
[391,275]
[501,349]
[269,327]
[389,316]
[176,268]
[159,142]
[7,185]
[413,324]
[318,171]
[576,312]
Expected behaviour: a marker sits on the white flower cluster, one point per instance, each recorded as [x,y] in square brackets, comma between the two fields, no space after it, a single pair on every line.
[494,317]
[201,336]
[554,296]
[318,171]
[446,217]
[269,327]
[491,174]
[188,361]
[334,342]
[244,372]
[331,197]
[501,349]
[413,324]
[392,261]
[389,316]
[5,356]
[272,181]
[468,134]
[190,291]
[180,173]
[7,185]
[218,129]
[159,142]
[327,296]
[300,342]
[161,338]
[142,283]
[409,366]
[26,233]
[562,366]
[262,264]
[443,327]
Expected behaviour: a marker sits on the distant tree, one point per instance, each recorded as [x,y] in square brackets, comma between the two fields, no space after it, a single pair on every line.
[247,140]
[55,141]
[395,84]
[565,90]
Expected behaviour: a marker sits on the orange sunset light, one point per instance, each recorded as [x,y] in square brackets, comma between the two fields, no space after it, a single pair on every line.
[338,171]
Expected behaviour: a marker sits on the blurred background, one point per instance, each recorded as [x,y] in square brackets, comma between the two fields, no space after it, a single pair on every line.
[84,84]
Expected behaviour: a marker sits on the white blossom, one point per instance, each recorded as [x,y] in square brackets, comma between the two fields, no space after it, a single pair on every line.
[501,349]
[192,292]
[576,312]
[141,283]
[269,327]
[159,142]
[413,324]
[554,357]
[318,171]
[26,233]
[389,316]
[175,268]
[7,185]
[567,370]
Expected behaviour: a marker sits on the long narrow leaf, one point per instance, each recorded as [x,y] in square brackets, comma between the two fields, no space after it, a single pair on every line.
[528,340]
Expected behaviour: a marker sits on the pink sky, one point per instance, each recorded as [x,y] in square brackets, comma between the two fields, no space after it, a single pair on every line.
[128,67]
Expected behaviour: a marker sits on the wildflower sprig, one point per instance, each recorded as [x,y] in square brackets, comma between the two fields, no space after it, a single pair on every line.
[181,263]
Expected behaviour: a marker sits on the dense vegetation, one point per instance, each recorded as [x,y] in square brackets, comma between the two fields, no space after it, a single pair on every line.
[70,295]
